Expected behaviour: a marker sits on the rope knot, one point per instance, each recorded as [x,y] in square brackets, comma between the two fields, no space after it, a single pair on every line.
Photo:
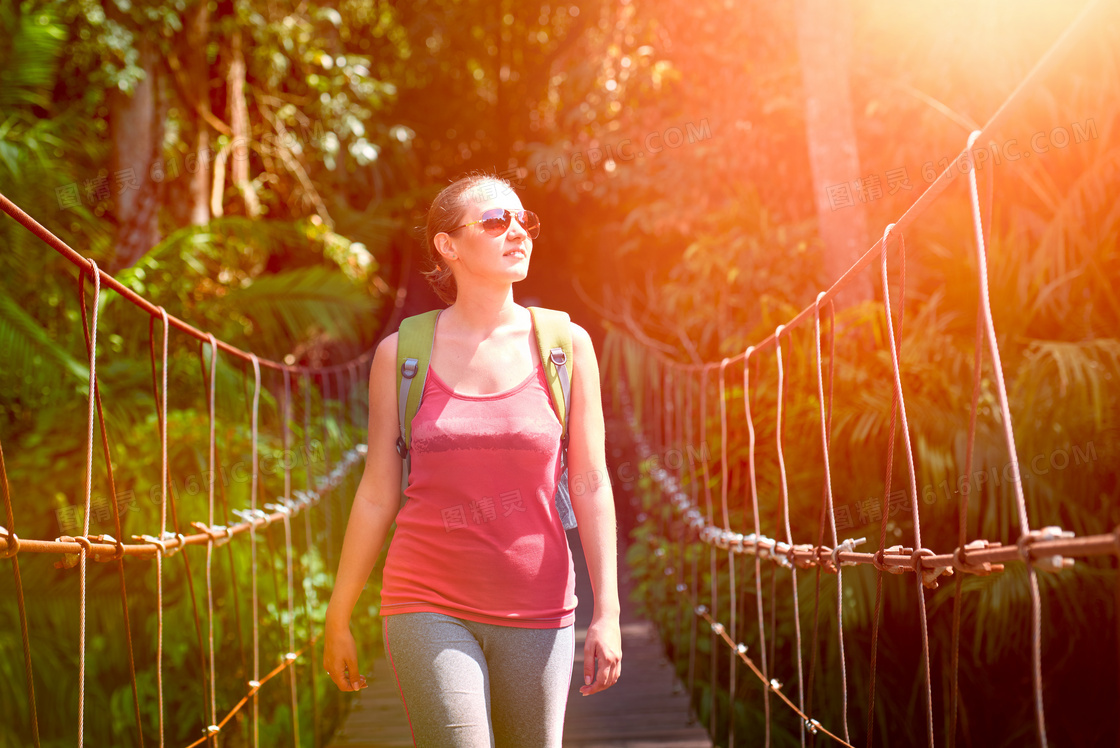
[804,548]
[895,550]
[878,562]
[961,563]
[118,554]
[846,546]
[1049,562]
[783,554]
[68,560]
[169,536]
[219,535]
[929,573]
[824,558]
[11,543]
[160,545]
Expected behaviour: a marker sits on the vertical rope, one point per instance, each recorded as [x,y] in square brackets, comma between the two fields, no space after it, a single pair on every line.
[210,542]
[825,488]
[310,484]
[757,534]
[913,483]
[879,567]
[288,549]
[831,513]
[694,588]
[96,275]
[784,497]
[12,552]
[1009,437]
[328,504]
[724,473]
[117,532]
[682,528]
[962,510]
[159,394]
[254,485]
[713,579]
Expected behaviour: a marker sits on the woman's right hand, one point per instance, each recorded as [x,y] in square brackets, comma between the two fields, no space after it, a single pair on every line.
[340,660]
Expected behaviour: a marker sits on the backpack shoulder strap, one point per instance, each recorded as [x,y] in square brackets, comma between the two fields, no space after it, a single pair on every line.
[415,341]
[554,340]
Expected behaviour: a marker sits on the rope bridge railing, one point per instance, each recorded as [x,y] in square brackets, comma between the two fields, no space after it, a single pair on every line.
[255,519]
[672,421]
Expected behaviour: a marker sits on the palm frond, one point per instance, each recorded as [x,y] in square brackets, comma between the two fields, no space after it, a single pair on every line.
[291,307]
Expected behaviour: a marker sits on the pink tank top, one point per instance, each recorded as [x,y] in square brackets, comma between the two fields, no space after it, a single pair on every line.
[479,537]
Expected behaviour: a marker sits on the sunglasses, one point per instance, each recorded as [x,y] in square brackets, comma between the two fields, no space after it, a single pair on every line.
[497,220]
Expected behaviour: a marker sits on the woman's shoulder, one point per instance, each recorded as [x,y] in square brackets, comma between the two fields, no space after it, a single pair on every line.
[384,366]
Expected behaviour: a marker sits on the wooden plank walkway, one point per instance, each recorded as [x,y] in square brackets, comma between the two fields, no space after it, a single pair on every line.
[642,710]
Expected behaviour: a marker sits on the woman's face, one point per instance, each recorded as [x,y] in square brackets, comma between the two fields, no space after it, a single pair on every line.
[476,254]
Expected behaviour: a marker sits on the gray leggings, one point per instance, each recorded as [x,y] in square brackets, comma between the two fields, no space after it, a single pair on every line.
[478,684]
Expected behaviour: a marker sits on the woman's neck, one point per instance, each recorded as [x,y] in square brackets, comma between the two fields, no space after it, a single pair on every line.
[480,311]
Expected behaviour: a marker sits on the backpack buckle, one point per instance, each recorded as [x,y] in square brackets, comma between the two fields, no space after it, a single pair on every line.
[402,450]
[409,368]
[558,356]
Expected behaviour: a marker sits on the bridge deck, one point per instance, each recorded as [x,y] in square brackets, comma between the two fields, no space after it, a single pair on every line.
[641,711]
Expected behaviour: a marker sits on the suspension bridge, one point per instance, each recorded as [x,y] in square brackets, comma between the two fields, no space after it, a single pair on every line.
[703,540]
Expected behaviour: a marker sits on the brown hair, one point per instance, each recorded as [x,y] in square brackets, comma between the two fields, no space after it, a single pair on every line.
[446,213]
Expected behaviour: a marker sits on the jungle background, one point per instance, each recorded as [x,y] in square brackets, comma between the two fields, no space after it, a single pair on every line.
[702,169]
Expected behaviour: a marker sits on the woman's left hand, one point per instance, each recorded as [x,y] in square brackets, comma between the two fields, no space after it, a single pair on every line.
[603,643]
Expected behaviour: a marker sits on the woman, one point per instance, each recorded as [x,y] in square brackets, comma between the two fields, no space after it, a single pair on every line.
[479,614]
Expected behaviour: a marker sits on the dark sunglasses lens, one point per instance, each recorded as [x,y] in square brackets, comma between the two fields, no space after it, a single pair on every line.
[530,222]
[495,220]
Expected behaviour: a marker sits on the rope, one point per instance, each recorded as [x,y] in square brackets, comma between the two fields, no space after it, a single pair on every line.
[830,507]
[210,524]
[83,264]
[11,550]
[1009,436]
[88,491]
[253,551]
[713,585]
[783,497]
[254,687]
[918,552]
[116,519]
[160,394]
[826,488]
[286,511]
[886,509]
[310,475]
[695,560]
[702,612]
[757,534]
[963,509]
[724,481]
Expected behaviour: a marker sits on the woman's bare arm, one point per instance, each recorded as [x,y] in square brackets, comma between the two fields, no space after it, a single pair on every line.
[593,503]
[375,507]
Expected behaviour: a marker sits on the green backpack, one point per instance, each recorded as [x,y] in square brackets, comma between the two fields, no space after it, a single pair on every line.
[415,341]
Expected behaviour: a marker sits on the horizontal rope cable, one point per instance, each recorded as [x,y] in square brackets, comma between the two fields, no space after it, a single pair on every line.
[108,281]
[1050,548]
[254,687]
[105,547]
[924,201]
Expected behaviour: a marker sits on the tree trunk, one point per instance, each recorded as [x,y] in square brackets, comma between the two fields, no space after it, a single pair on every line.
[239,123]
[197,78]
[824,40]
[136,135]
